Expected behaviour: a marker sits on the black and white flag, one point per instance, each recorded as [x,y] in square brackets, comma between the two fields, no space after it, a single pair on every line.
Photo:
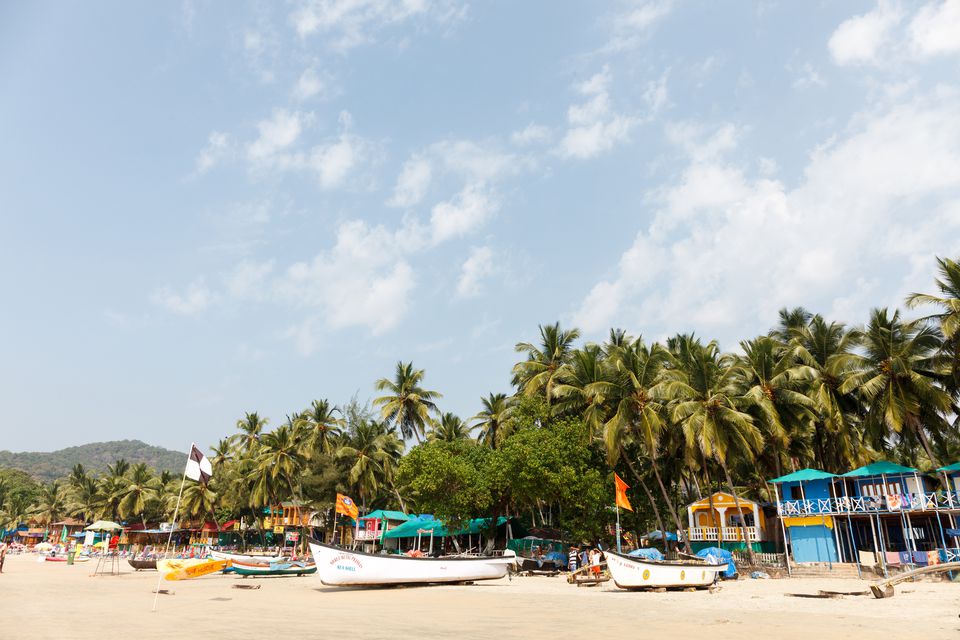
[198,466]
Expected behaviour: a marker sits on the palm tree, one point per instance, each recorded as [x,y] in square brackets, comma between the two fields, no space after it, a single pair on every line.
[898,378]
[322,426]
[827,349]
[279,462]
[580,387]
[949,317]
[494,419]
[50,505]
[772,380]
[222,454]
[538,373]
[118,469]
[369,451]
[199,499]
[705,404]
[86,500]
[112,488]
[450,429]
[637,411]
[142,487]
[408,405]
[251,426]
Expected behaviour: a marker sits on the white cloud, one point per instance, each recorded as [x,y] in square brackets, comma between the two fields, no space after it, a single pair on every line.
[466,212]
[248,279]
[860,39]
[935,30]
[261,48]
[195,299]
[531,134]
[478,266]
[310,84]
[278,133]
[594,128]
[219,147]
[334,162]
[633,24]
[807,77]
[726,248]
[413,182]
[351,23]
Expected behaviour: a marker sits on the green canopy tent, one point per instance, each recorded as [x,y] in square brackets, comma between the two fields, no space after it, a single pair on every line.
[418,528]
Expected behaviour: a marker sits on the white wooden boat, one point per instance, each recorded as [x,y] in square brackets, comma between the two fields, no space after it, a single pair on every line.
[342,567]
[630,572]
[240,557]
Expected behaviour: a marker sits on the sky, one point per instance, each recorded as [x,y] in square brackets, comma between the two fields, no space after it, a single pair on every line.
[208,208]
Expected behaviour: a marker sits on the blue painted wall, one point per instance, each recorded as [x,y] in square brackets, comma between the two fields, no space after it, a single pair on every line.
[813,544]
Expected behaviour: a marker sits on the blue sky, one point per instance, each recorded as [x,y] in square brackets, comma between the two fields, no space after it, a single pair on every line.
[211,208]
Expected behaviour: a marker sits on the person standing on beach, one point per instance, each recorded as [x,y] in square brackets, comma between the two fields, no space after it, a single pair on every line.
[572,559]
[3,554]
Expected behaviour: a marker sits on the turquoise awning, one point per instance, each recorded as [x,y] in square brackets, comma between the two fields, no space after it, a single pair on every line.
[383,514]
[953,467]
[802,475]
[413,528]
[881,467]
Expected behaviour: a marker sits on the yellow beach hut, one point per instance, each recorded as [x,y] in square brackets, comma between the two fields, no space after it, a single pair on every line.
[715,521]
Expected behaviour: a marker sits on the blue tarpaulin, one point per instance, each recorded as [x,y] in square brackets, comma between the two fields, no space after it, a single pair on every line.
[720,556]
[648,554]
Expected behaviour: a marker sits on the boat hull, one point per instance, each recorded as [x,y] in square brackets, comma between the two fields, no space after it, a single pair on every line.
[343,568]
[147,564]
[637,573]
[277,569]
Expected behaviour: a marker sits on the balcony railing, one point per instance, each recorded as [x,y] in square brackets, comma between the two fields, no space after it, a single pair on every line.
[894,503]
[727,534]
[368,534]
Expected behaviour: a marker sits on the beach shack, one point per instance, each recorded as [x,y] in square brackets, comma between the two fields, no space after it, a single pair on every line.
[372,527]
[428,535]
[714,521]
[880,515]
[809,531]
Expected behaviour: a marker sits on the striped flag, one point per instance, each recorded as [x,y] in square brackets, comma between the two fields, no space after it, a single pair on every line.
[198,466]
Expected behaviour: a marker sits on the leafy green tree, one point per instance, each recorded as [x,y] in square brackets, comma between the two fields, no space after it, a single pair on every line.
[322,426]
[948,318]
[251,427]
[141,489]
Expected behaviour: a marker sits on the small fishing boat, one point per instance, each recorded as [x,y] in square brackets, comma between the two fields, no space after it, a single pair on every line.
[143,564]
[342,567]
[629,572]
[175,564]
[296,568]
[55,558]
[240,557]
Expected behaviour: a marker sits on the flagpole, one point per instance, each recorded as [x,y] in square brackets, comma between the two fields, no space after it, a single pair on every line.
[173,524]
[616,503]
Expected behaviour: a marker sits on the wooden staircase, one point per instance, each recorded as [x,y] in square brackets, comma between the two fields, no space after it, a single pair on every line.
[825,570]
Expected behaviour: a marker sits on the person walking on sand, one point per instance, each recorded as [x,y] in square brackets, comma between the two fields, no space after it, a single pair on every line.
[572,559]
[3,554]
[595,561]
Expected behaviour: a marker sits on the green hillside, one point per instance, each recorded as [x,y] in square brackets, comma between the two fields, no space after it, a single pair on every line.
[47,466]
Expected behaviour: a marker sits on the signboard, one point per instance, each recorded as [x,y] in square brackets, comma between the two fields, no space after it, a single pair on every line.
[292,536]
[278,529]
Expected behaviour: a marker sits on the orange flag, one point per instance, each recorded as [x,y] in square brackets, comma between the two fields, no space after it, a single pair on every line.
[622,487]
[346,506]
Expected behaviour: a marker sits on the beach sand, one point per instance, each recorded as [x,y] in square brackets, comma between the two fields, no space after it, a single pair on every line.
[46,600]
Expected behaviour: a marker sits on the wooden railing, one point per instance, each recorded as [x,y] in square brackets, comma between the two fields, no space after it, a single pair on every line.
[728,534]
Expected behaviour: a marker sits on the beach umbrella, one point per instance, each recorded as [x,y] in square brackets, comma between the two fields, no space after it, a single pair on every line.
[104,525]
[100,544]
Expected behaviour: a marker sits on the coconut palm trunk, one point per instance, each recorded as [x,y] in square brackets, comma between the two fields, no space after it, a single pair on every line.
[646,490]
[673,511]
[736,502]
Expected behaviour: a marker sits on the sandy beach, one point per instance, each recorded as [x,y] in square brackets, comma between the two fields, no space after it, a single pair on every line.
[45,600]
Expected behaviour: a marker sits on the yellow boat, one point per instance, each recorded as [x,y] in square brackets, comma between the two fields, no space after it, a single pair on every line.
[175,564]
[204,567]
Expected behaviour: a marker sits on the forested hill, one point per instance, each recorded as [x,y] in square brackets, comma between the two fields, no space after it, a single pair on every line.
[47,466]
